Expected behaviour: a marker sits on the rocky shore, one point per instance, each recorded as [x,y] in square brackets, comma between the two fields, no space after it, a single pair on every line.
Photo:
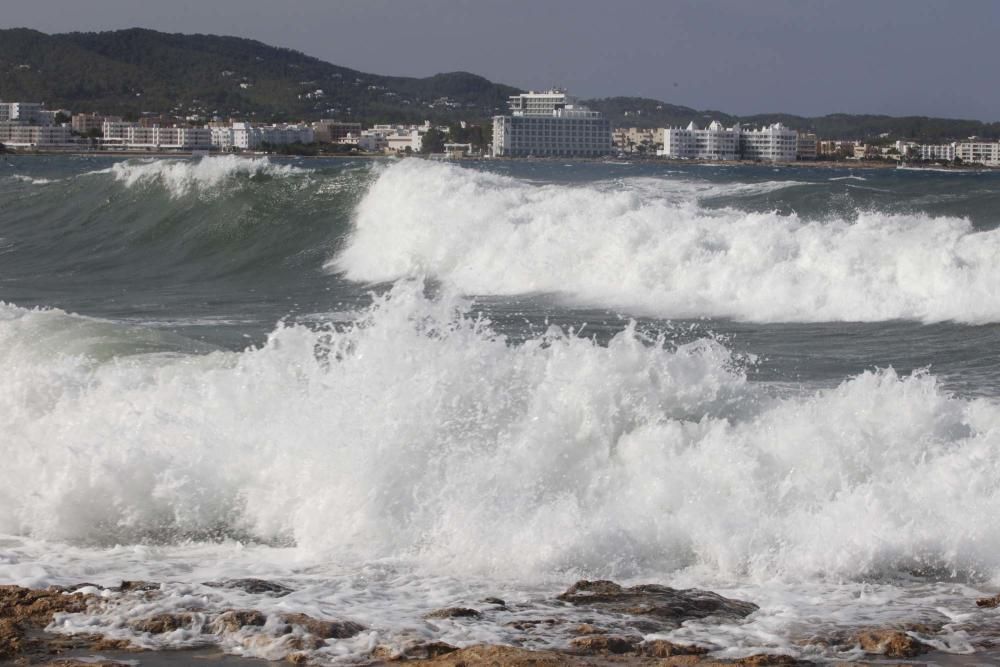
[630,619]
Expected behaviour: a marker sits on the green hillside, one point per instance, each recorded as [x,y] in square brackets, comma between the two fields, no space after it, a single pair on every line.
[130,71]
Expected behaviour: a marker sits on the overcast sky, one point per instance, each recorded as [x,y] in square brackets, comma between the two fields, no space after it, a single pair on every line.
[809,57]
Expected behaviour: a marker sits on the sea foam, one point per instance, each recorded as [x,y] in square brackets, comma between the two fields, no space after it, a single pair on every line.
[420,434]
[181,177]
[665,254]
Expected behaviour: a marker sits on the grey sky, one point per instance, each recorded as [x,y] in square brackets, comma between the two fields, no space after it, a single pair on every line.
[811,57]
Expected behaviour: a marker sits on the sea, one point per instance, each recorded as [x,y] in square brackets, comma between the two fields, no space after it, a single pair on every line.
[394,386]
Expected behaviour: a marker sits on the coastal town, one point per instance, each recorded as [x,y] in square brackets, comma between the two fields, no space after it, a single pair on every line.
[546,124]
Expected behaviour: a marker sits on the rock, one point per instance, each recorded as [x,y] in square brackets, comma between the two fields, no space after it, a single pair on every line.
[324,629]
[141,586]
[891,643]
[107,644]
[765,660]
[252,586]
[989,602]
[588,629]
[413,651]
[661,648]
[665,605]
[234,619]
[532,623]
[69,662]
[11,639]
[297,658]
[453,612]
[604,644]
[162,623]
[497,601]
[502,656]
[36,607]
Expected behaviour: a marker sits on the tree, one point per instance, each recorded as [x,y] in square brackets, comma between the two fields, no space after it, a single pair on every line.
[60,118]
[433,142]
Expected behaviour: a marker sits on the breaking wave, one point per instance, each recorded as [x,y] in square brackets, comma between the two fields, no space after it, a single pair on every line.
[665,255]
[181,177]
[420,433]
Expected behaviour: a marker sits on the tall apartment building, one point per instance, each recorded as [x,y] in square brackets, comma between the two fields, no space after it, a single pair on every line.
[550,124]
[774,143]
[247,136]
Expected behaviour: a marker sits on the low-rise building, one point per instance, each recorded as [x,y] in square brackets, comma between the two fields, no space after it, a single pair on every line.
[133,136]
[20,135]
[977,151]
[936,152]
[333,131]
[82,123]
[715,142]
[807,147]
[29,113]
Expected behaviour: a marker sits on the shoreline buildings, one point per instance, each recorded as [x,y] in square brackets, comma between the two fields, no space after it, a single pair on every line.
[774,143]
[550,124]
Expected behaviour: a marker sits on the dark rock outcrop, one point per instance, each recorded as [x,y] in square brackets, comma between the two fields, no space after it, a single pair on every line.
[502,656]
[605,644]
[163,623]
[324,629]
[252,586]
[669,606]
[453,612]
[661,648]
[989,602]
[234,619]
[890,643]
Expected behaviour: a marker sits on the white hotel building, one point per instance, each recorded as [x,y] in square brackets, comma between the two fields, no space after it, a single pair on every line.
[550,124]
[775,143]
[118,134]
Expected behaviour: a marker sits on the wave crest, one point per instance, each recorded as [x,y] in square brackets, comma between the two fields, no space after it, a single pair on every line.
[181,177]
[486,234]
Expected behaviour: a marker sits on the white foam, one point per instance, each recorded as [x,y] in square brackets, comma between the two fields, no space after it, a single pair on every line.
[416,459]
[181,177]
[31,180]
[630,248]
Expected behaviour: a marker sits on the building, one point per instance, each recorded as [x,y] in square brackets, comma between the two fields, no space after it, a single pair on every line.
[132,136]
[333,131]
[29,113]
[641,138]
[246,136]
[774,143]
[550,124]
[457,150]
[976,151]
[936,152]
[715,142]
[82,123]
[807,147]
[20,135]
[865,151]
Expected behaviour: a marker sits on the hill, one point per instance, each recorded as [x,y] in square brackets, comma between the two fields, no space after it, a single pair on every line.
[129,71]
[645,112]
[136,70]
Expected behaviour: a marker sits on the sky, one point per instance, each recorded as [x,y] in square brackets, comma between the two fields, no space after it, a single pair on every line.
[806,57]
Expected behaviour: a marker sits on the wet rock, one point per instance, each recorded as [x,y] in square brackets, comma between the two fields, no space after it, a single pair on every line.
[989,602]
[453,612]
[138,586]
[604,644]
[324,629]
[497,601]
[766,660]
[890,643]
[163,623]
[526,624]
[234,619]
[588,629]
[297,658]
[502,656]
[98,643]
[252,586]
[36,607]
[11,639]
[665,605]
[661,648]
[69,662]
[413,651]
